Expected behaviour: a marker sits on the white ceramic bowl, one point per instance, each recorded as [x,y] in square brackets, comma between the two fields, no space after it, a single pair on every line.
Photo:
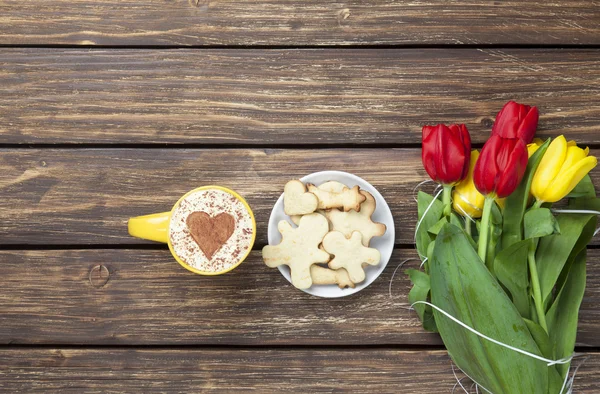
[385,243]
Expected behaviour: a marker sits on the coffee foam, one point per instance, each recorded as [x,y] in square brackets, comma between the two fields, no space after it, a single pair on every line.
[212,202]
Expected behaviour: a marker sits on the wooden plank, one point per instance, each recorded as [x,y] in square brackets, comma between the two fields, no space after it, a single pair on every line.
[227,371]
[85,196]
[143,297]
[294,22]
[287,97]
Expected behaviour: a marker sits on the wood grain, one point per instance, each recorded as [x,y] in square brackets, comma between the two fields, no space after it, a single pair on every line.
[295,22]
[232,371]
[288,97]
[85,196]
[143,297]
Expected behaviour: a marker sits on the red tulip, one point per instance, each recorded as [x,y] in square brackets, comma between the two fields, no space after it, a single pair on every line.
[500,166]
[446,152]
[516,121]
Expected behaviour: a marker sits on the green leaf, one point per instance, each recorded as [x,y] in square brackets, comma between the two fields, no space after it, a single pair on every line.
[585,188]
[584,239]
[435,229]
[496,215]
[493,241]
[430,211]
[511,269]
[555,382]
[457,220]
[562,316]
[463,287]
[541,338]
[592,203]
[429,320]
[517,202]
[554,251]
[420,292]
[539,222]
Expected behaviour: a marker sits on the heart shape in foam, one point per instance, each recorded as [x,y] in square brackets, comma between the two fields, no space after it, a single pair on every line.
[210,233]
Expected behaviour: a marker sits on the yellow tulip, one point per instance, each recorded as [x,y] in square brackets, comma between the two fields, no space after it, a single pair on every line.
[466,200]
[501,202]
[533,147]
[564,164]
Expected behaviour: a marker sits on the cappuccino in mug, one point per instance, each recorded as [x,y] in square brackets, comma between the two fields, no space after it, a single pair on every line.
[211,230]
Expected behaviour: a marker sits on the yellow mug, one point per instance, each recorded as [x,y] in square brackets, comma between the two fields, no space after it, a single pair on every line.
[155,227]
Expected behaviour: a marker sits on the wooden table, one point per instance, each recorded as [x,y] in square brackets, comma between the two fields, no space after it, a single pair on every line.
[115,108]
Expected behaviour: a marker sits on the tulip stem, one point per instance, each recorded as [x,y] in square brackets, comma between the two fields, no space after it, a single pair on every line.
[447,200]
[535,285]
[485,228]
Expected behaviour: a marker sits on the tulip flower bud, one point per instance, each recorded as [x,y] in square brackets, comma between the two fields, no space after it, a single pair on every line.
[501,166]
[516,121]
[466,200]
[446,152]
[564,164]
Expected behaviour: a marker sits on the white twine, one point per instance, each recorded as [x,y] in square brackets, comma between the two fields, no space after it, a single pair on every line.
[568,383]
[584,211]
[394,274]
[477,385]
[576,211]
[415,189]
[473,385]
[423,217]
[458,381]
[526,353]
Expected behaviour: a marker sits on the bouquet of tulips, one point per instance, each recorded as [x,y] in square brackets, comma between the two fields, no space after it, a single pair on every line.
[503,265]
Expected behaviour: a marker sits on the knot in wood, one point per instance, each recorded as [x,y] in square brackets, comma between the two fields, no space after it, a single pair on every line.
[487,122]
[99,275]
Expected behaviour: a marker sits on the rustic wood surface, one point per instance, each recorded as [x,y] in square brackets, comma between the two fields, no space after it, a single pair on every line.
[239,370]
[143,297]
[298,23]
[85,196]
[286,97]
[114,108]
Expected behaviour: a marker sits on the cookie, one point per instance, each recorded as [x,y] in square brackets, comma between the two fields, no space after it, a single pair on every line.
[299,248]
[350,254]
[297,201]
[325,276]
[333,186]
[296,218]
[348,222]
[330,186]
[347,199]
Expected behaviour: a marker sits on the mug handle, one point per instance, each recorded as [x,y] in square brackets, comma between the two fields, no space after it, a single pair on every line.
[153,227]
